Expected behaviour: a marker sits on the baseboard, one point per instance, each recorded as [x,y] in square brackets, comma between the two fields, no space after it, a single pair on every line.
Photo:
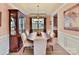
[66,50]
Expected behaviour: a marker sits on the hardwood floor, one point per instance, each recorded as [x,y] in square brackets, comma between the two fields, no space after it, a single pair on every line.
[57,50]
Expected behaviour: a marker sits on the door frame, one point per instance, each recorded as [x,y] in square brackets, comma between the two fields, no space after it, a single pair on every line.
[55,24]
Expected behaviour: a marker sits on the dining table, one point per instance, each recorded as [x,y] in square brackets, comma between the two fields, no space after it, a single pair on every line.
[33,35]
[39,42]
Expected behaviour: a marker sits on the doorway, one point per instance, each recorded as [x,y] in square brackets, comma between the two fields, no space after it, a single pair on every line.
[55,25]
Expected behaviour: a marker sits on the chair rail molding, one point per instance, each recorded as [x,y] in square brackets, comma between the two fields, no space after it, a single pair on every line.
[69,42]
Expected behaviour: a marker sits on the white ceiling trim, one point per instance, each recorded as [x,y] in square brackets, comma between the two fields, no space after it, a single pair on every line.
[58,9]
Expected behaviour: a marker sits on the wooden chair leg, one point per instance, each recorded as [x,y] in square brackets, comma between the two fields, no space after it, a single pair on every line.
[23,49]
[52,48]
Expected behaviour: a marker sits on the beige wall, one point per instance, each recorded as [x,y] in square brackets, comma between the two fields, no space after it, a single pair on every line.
[4,20]
[48,23]
[4,29]
[28,23]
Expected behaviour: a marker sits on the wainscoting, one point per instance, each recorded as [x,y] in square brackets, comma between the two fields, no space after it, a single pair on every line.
[69,42]
[4,44]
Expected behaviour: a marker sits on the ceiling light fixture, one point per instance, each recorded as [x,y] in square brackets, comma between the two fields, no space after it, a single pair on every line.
[37,11]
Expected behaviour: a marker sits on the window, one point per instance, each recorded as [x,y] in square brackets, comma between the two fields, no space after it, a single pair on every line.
[21,24]
[37,24]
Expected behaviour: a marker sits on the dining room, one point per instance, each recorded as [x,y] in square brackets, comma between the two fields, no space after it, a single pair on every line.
[37,38]
[37,29]
[35,33]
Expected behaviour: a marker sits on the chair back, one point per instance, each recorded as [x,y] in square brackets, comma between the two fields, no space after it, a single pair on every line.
[52,35]
[23,36]
[40,46]
[27,33]
[48,32]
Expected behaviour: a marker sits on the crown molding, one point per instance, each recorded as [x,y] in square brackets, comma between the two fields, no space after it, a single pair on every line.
[55,12]
[17,8]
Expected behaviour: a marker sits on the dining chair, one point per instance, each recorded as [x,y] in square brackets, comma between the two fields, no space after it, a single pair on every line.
[27,33]
[52,34]
[50,42]
[26,43]
[40,45]
[48,32]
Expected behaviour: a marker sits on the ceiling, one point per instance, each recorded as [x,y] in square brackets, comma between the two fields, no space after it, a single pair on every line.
[31,8]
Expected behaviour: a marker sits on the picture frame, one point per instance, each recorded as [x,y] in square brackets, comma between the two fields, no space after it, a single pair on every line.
[71,18]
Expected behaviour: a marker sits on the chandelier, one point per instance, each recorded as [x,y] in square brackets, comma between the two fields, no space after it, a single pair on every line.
[37,11]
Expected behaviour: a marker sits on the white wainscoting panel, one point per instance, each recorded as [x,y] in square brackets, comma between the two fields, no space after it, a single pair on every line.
[4,44]
[69,42]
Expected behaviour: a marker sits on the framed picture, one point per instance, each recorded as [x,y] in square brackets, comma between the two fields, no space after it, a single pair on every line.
[0,18]
[71,18]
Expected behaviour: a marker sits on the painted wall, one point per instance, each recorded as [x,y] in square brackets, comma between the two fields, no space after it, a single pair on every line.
[28,23]
[4,29]
[4,20]
[69,40]
[48,25]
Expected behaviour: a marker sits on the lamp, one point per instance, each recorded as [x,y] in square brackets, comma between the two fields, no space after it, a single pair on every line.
[38,32]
